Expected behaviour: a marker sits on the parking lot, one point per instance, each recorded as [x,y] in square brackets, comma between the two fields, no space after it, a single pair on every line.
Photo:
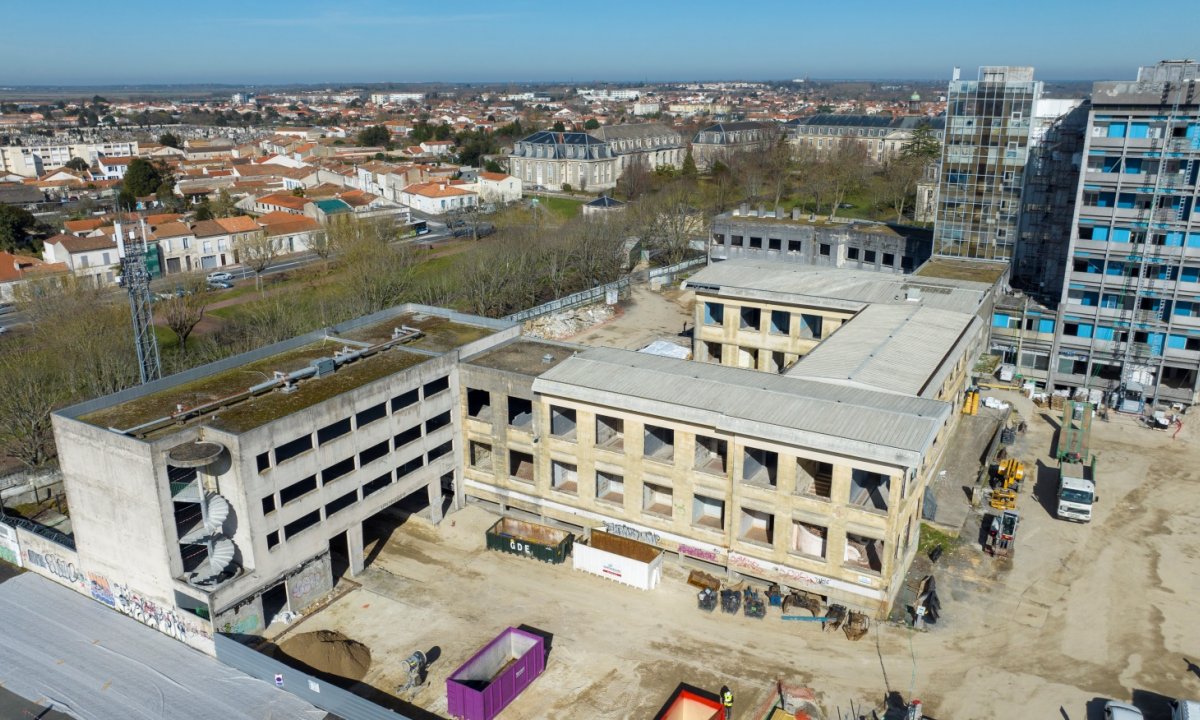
[1081,614]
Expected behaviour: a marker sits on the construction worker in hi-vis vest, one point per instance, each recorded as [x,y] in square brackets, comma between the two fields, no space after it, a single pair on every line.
[727,698]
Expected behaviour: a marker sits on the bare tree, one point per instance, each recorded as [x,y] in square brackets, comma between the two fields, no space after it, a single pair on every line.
[184,310]
[34,387]
[669,220]
[636,179]
[898,182]
[846,172]
[258,252]
[378,271]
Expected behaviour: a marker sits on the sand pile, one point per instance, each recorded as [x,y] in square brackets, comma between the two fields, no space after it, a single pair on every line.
[329,652]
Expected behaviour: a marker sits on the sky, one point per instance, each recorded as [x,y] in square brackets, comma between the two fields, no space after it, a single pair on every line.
[84,42]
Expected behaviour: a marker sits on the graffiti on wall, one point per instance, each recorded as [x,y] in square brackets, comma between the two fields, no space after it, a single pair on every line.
[625,531]
[10,548]
[63,569]
[709,555]
[98,585]
[154,615]
[244,625]
[754,566]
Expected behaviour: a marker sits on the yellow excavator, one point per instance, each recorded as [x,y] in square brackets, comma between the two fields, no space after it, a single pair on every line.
[1009,475]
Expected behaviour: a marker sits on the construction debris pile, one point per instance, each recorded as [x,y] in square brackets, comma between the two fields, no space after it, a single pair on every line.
[569,323]
[744,597]
[330,653]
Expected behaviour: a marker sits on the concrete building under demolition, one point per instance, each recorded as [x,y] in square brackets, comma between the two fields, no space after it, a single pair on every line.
[759,234]
[215,499]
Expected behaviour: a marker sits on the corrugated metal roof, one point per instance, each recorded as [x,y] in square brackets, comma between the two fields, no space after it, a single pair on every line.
[834,287]
[863,423]
[894,348]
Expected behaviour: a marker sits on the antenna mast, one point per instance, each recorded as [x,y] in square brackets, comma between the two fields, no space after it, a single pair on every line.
[132,251]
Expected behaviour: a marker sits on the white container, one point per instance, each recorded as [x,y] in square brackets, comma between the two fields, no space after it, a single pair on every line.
[626,561]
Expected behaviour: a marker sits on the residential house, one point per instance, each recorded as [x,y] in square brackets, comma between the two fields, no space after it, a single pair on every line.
[438,198]
[93,259]
[16,270]
[280,203]
[113,168]
[497,187]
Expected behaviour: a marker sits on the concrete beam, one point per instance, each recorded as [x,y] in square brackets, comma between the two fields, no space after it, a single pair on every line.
[354,542]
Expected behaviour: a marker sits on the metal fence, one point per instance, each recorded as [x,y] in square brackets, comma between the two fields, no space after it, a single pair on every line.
[583,297]
[320,693]
[49,533]
[670,271]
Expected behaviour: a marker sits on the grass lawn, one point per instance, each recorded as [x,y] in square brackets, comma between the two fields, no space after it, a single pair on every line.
[565,208]
[931,538]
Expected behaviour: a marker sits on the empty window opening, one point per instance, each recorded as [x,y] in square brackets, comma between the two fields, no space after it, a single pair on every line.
[760,467]
[750,318]
[869,490]
[292,448]
[342,503]
[481,455]
[774,243]
[610,432]
[562,422]
[814,478]
[810,326]
[404,400]
[436,386]
[441,450]
[656,499]
[708,512]
[757,526]
[610,487]
[332,431]
[781,322]
[377,484]
[712,351]
[337,470]
[479,404]
[409,435]
[297,490]
[659,443]
[793,246]
[809,539]
[373,453]
[370,415]
[520,412]
[864,553]
[710,455]
[520,465]
[564,477]
[301,524]
[714,313]
[747,358]
[437,422]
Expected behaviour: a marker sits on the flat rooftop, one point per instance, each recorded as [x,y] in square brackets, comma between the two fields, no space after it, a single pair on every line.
[864,423]
[524,356]
[822,221]
[893,348]
[223,389]
[842,288]
[980,271]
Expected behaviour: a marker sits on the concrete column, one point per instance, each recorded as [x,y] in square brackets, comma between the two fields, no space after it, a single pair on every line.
[354,543]
[435,500]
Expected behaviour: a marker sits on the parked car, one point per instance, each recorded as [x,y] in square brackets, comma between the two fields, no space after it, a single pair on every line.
[219,285]
[1114,710]
[219,276]
[1185,710]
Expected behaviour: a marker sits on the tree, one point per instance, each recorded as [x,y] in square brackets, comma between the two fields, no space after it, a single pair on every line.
[224,205]
[897,183]
[204,210]
[669,220]
[185,309]
[845,171]
[922,145]
[378,270]
[170,140]
[258,252]
[77,163]
[374,136]
[558,126]
[34,388]
[493,166]
[591,124]
[635,180]
[144,177]
[15,224]
[689,165]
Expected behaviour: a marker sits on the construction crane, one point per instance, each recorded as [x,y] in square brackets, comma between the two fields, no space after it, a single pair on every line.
[132,252]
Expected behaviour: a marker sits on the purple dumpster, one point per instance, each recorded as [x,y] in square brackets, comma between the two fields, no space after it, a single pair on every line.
[490,680]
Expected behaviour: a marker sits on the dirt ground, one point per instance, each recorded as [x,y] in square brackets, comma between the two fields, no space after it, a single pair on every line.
[1082,613]
[647,315]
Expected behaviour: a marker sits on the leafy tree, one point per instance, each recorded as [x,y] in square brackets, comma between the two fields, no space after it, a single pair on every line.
[204,210]
[591,124]
[15,224]
[258,252]
[558,126]
[493,166]
[77,163]
[144,177]
[374,136]
[922,145]
[170,140]
[689,165]
[224,205]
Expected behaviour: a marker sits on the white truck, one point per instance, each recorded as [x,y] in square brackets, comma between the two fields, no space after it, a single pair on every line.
[1076,491]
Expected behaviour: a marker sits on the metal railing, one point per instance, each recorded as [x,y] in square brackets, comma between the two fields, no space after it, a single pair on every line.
[49,533]
[670,271]
[583,297]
